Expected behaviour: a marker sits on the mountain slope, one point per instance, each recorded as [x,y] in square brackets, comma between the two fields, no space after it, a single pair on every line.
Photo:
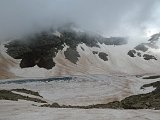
[6,63]
[56,53]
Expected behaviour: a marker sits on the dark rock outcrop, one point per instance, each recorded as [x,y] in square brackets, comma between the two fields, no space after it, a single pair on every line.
[95,52]
[82,48]
[154,38]
[40,49]
[103,56]
[72,55]
[143,101]
[141,47]
[27,92]
[132,53]
[139,54]
[152,77]
[149,57]
[9,95]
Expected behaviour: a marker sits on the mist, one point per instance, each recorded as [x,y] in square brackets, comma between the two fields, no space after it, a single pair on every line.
[136,18]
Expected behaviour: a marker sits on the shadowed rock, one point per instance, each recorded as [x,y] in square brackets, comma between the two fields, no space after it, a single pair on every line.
[144,47]
[82,48]
[152,77]
[141,47]
[149,57]
[139,54]
[9,95]
[154,38]
[95,52]
[103,56]
[41,48]
[46,63]
[132,53]
[27,91]
[72,55]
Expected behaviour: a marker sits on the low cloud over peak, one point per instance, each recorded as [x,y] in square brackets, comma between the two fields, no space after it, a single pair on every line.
[107,17]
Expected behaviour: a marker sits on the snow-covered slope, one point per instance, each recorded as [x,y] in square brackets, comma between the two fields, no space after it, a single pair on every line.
[100,72]
[114,60]
[13,110]
[85,90]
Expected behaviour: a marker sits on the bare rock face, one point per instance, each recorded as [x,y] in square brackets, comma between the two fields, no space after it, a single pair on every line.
[27,61]
[103,56]
[154,38]
[144,101]
[132,53]
[82,48]
[142,49]
[72,55]
[95,52]
[40,49]
[149,57]
[139,54]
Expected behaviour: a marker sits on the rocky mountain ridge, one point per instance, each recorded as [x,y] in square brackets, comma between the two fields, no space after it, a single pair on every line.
[69,52]
[41,48]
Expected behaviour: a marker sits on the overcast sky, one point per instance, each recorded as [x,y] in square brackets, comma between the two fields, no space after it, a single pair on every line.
[107,17]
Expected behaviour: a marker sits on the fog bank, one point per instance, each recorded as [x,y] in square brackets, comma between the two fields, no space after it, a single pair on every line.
[106,17]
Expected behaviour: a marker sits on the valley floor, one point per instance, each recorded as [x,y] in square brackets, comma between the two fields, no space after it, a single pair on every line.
[24,110]
[80,90]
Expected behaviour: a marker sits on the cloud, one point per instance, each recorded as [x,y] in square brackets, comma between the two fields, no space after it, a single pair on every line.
[107,17]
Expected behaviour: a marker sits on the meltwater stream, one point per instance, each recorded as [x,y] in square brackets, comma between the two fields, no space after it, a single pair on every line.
[35,80]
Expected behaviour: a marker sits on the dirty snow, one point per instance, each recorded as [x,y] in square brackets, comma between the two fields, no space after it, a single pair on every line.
[23,110]
[86,90]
